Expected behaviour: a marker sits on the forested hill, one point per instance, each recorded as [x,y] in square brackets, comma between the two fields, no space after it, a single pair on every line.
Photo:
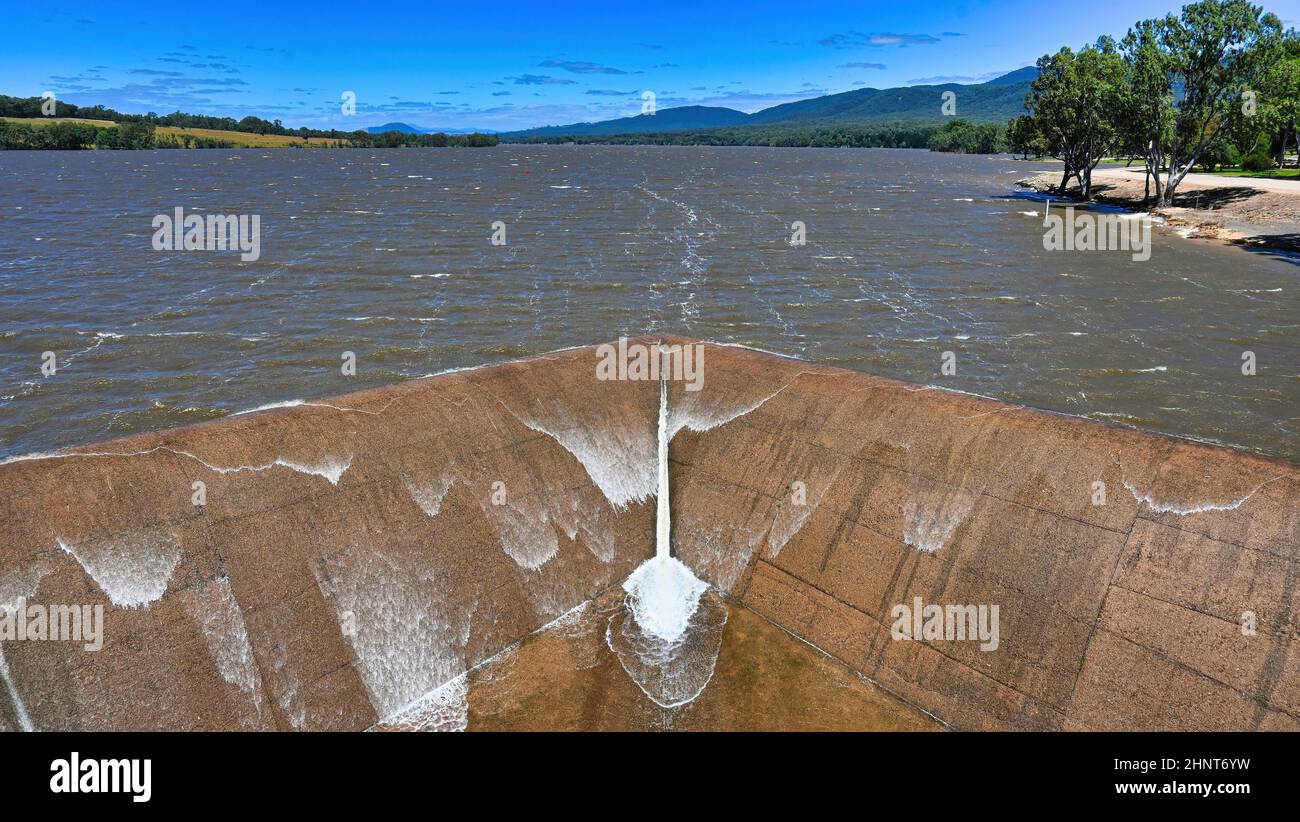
[683,118]
[996,101]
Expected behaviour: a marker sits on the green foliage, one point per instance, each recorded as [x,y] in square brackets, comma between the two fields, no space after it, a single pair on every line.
[398,139]
[1077,101]
[1180,91]
[71,136]
[821,136]
[1024,137]
[30,107]
[1211,54]
[191,141]
[963,137]
[1258,161]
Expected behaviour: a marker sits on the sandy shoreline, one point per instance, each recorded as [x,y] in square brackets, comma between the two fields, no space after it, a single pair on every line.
[1260,213]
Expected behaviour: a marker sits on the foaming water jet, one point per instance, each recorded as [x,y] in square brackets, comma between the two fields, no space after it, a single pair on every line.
[666,642]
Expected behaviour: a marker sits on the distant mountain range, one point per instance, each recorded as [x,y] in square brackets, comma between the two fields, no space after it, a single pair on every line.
[407,128]
[995,101]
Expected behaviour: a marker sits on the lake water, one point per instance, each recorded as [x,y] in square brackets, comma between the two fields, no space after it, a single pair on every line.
[387,254]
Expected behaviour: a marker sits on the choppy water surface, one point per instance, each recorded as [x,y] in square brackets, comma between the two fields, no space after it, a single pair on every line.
[386,254]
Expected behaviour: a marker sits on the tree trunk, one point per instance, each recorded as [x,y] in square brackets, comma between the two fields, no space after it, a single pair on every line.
[1171,184]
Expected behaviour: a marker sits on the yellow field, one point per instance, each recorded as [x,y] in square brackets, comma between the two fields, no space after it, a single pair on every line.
[239,138]
[248,140]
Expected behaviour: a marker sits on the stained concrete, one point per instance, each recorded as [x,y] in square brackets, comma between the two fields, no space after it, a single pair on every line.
[566,678]
[306,598]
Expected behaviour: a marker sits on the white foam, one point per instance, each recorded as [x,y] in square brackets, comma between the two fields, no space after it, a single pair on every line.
[573,516]
[526,536]
[670,672]
[132,568]
[444,709]
[288,692]
[20,709]
[1185,508]
[17,585]
[931,516]
[663,594]
[269,406]
[214,607]
[790,515]
[663,512]
[617,457]
[693,414]
[331,468]
[429,495]
[669,662]
[408,636]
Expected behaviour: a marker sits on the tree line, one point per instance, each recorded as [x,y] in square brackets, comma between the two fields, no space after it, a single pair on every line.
[816,136]
[1217,84]
[136,131]
[71,135]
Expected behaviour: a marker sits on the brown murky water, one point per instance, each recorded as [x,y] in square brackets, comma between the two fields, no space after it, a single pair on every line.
[568,678]
[387,254]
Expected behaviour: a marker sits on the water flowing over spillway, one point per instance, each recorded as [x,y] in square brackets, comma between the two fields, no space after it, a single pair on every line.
[668,640]
[799,503]
[663,508]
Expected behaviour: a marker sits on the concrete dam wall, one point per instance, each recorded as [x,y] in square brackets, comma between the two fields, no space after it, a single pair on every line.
[340,564]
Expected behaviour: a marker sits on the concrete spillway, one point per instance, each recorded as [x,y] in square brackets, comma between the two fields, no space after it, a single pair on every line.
[354,557]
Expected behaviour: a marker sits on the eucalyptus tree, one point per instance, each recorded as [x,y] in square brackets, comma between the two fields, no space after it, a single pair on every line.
[1147,105]
[1279,98]
[1076,102]
[1203,62]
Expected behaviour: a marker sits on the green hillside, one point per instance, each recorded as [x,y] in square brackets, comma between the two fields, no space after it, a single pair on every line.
[993,102]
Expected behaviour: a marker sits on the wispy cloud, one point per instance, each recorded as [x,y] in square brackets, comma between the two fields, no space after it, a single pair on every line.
[961,78]
[580,67]
[856,39]
[541,80]
[876,66]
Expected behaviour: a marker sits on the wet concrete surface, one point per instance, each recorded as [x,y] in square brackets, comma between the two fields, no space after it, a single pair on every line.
[568,678]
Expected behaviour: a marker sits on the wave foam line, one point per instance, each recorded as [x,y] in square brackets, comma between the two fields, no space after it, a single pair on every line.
[315,404]
[1184,509]
[20,710]
[700,425]
[329,468]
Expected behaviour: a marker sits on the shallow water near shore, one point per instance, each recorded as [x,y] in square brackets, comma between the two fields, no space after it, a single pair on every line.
[387,253]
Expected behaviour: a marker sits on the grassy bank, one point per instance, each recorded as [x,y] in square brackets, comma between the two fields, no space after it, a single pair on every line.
[1271,174]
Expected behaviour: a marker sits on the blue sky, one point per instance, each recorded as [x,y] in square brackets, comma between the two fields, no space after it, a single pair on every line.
[507,65]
